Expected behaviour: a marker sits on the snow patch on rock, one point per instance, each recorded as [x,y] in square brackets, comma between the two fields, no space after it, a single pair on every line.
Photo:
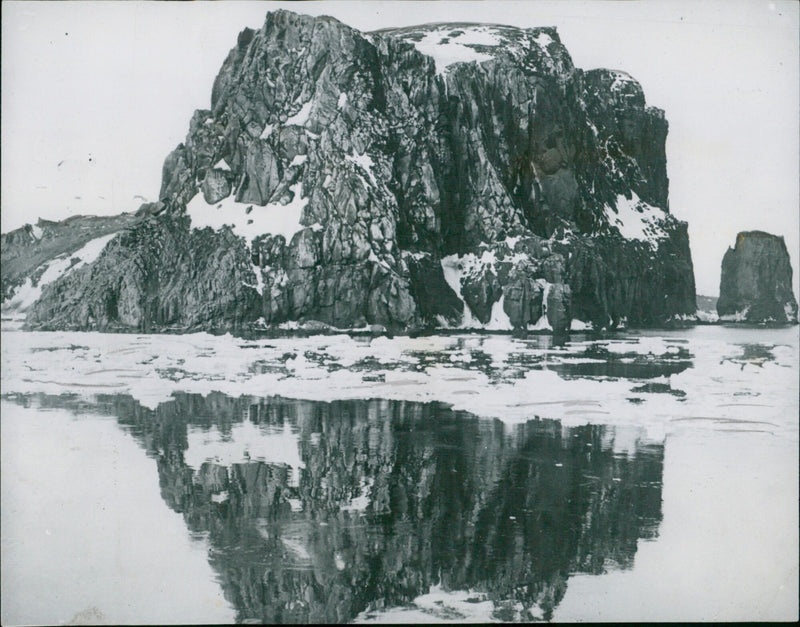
[543,40]
[499,320]
[446,51]
[366,163]
[301,117]
[29,292]
[453,270]
[274,218]
[580,325]
[635,219]
[739,316]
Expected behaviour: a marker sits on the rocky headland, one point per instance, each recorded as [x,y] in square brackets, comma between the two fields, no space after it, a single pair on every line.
[447,175]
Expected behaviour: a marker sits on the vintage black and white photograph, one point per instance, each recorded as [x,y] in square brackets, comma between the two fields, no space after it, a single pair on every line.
[399,312]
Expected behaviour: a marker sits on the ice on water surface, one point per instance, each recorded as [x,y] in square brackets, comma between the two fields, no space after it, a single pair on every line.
[648,379]
[687,428]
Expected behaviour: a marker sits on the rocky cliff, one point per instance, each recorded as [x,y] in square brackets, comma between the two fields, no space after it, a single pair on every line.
[756,282]
[444,175]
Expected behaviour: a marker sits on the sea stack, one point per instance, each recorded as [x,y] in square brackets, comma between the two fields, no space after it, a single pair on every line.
[756,283]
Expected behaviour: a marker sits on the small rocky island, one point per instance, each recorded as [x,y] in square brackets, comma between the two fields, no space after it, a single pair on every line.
[756,282]
[446,175]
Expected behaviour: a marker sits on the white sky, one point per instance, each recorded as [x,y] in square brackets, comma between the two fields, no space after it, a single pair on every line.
[106,90]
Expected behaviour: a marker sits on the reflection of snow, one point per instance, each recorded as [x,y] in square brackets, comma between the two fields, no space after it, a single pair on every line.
[221,497]
[246,442]
[644,346]
[295,547]
[361,502]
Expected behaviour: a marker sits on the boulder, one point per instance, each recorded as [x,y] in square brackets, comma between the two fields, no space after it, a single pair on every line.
[215,186]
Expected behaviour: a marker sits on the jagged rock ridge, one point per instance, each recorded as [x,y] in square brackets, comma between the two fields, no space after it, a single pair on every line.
[445,175]
[756,281]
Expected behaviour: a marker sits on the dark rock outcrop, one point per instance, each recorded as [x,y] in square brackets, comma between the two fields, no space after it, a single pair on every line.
[756,282]
[339,160]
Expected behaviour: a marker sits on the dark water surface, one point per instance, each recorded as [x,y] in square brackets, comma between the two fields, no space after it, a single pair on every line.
[382,500]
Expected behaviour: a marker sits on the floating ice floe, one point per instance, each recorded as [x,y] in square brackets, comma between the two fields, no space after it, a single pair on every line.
[439,605]
[504,377]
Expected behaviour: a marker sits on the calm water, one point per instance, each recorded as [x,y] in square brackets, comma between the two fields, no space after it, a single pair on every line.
[222,507]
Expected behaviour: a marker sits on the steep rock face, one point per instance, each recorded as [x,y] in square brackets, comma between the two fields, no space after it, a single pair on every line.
[756,282]
[461,175]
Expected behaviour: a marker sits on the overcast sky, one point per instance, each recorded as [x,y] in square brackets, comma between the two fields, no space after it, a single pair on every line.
[95,95]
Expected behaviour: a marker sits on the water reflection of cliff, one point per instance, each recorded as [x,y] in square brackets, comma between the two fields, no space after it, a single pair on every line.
[385,499]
